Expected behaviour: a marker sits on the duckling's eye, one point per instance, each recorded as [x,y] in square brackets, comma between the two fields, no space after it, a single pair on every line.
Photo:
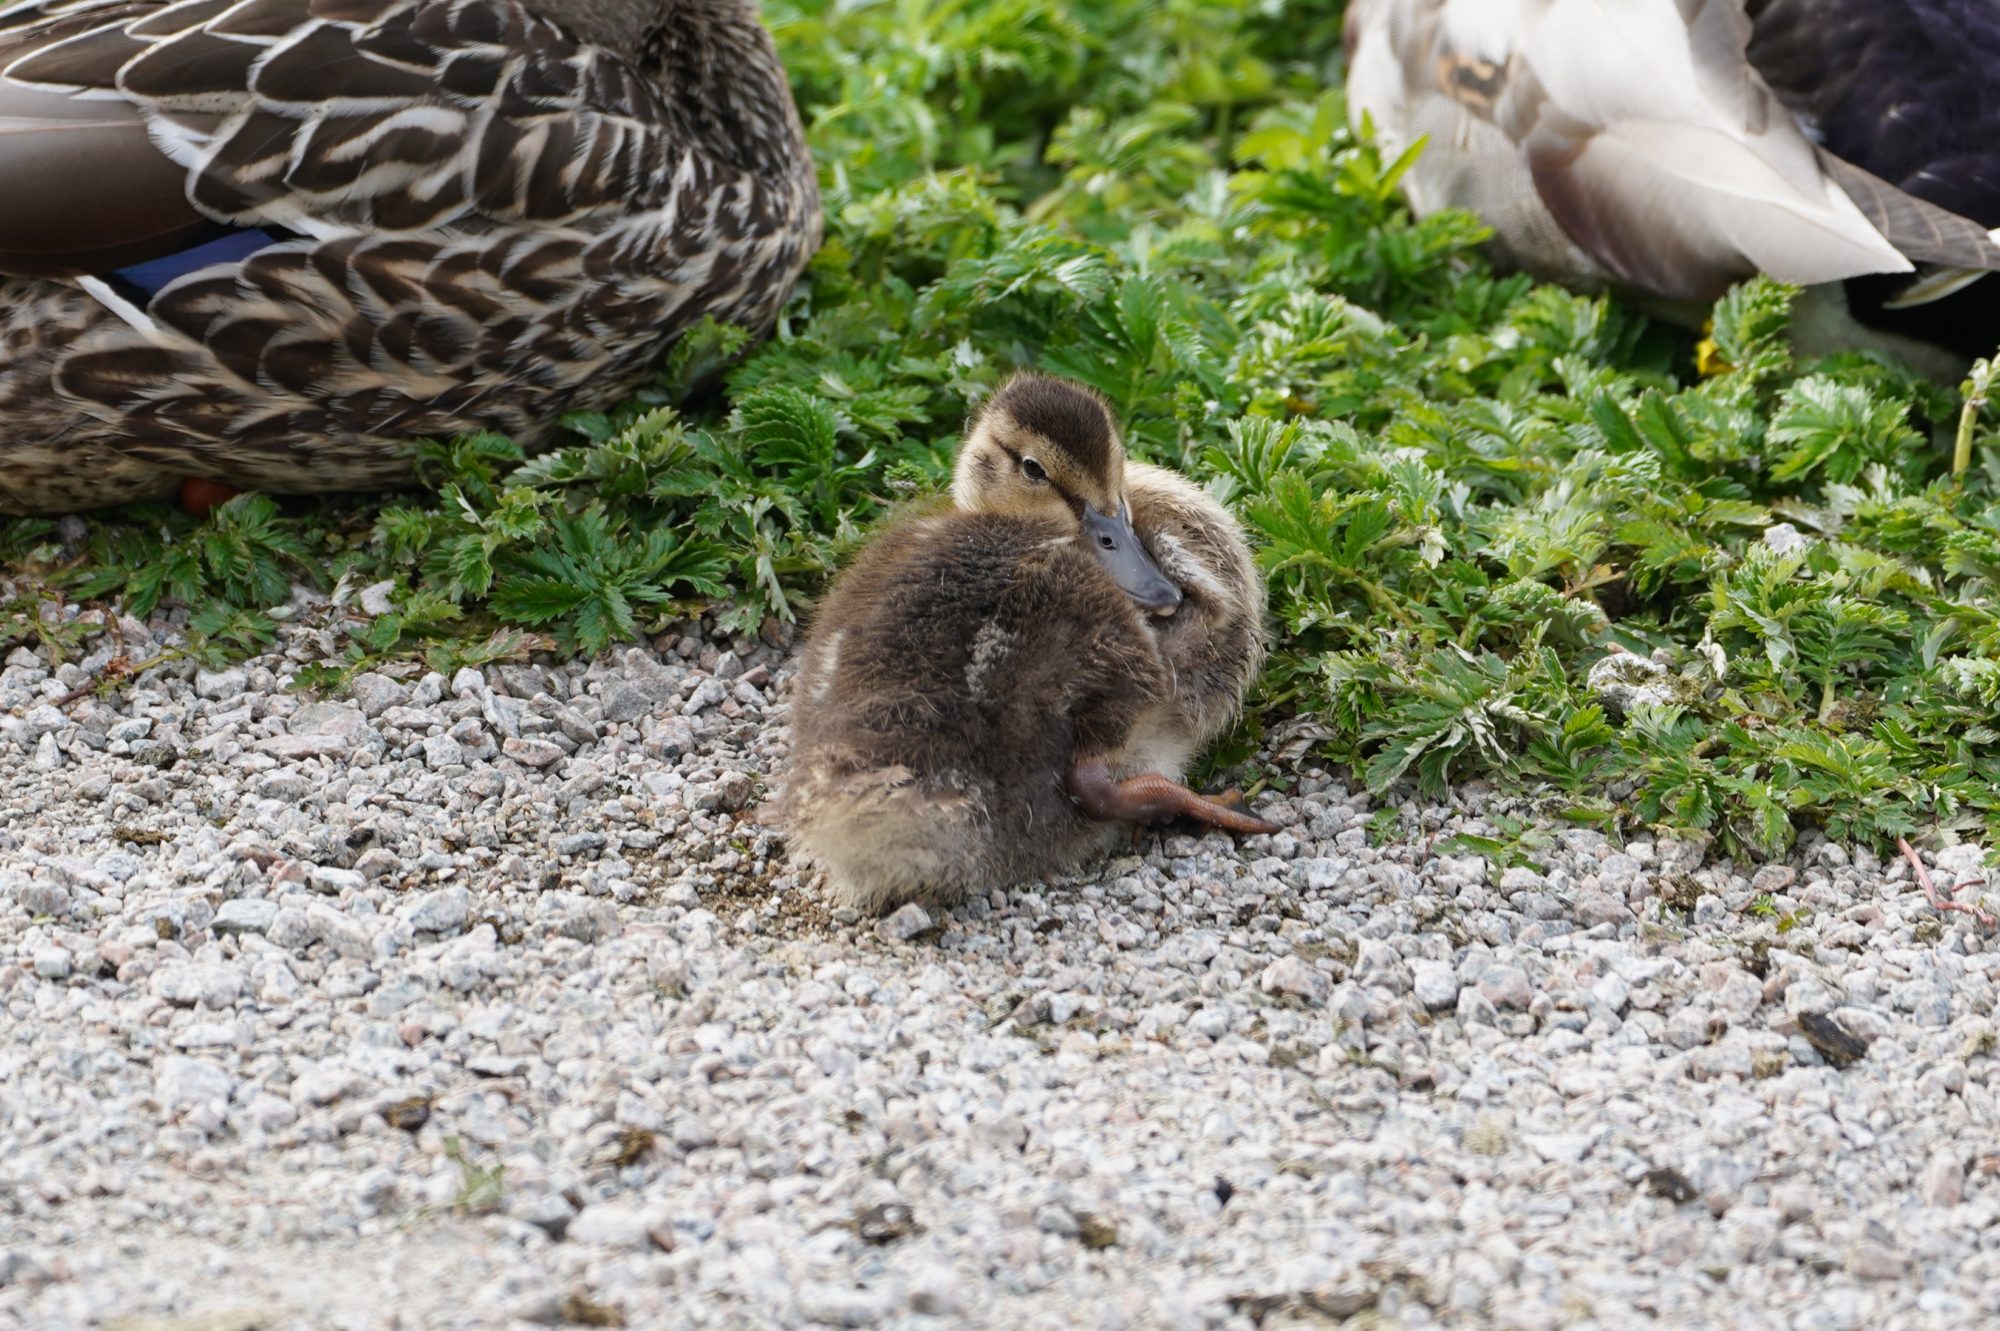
[1033,469]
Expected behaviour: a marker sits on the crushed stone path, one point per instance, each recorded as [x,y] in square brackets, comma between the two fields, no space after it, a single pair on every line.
[488,1002]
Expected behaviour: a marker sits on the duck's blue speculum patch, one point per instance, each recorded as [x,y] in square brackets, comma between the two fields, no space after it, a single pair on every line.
[140,282]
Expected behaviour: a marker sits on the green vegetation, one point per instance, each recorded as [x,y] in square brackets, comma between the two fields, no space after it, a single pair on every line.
[1466,488]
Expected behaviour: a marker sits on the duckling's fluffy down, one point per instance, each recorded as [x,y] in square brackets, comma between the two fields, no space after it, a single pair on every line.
[964,661]
[1213,646]
[953,673]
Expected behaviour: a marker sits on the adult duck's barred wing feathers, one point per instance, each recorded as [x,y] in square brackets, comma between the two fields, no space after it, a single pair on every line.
[327,228]
[363,335]
[364,222]
[1628,143]
[334,115]
[381,337]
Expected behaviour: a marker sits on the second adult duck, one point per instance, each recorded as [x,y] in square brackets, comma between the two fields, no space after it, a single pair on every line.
[270,242]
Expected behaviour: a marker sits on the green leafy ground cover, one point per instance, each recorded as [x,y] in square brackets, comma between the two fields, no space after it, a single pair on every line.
[1465,487]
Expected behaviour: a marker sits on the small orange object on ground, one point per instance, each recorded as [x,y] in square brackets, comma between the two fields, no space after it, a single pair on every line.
[200,495]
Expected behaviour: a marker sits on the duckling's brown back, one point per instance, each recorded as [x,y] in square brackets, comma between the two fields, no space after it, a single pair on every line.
[950,678]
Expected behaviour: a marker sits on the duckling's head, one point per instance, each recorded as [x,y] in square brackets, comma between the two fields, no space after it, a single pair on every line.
[1048,448]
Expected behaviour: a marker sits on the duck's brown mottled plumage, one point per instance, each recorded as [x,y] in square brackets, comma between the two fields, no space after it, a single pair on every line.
[483,214]
[967,662]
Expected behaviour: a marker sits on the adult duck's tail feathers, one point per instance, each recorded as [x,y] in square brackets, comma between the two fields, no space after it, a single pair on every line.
[1953,252]
[1920,231]
[1933,286]
[1629,143]
[1683,211]
[1663,157]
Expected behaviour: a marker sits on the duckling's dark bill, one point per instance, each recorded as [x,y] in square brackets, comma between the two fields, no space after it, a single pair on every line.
[1118,548]
[1151,798]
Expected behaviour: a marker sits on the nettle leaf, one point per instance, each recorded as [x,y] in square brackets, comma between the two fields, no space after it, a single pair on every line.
[1034,262]
[785,425]
[1258,449]
[1749,329]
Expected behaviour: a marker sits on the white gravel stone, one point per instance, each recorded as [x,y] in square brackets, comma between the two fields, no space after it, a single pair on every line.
[222,685]
[210,985]
[577,917]
[441,911]
[616,1225]
[1962,861]
[375,694]
[43,898]
[333,881]
[344,935]
[1944,1181]
[443,751]
[289,928]
[1506,987]
[1291,975]
[1809,993]
[1435,985]
[243,916]
[183,1083]
[531,752]
[1783,538]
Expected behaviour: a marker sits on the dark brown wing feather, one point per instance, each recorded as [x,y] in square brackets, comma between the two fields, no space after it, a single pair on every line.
[127,207]
[378,115]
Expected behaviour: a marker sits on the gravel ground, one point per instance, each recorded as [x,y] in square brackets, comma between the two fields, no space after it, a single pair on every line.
[486,1001]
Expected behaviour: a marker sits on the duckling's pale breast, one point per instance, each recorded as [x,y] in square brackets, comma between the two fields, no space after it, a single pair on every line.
[1212,646]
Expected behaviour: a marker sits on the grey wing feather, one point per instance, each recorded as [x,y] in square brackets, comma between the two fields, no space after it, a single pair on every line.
[1921,231]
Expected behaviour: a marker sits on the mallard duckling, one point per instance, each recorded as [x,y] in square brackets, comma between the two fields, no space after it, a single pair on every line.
[272,243]
[1667,149]
[997,690]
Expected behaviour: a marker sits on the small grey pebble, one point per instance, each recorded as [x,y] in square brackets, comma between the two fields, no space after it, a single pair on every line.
[905,922]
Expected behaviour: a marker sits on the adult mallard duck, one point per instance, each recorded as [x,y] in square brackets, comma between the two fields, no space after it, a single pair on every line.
[1668,148]
[998,690]
[270,242]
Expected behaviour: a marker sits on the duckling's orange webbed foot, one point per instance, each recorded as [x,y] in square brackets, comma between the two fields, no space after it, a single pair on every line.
[200,495]
[1151,798]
